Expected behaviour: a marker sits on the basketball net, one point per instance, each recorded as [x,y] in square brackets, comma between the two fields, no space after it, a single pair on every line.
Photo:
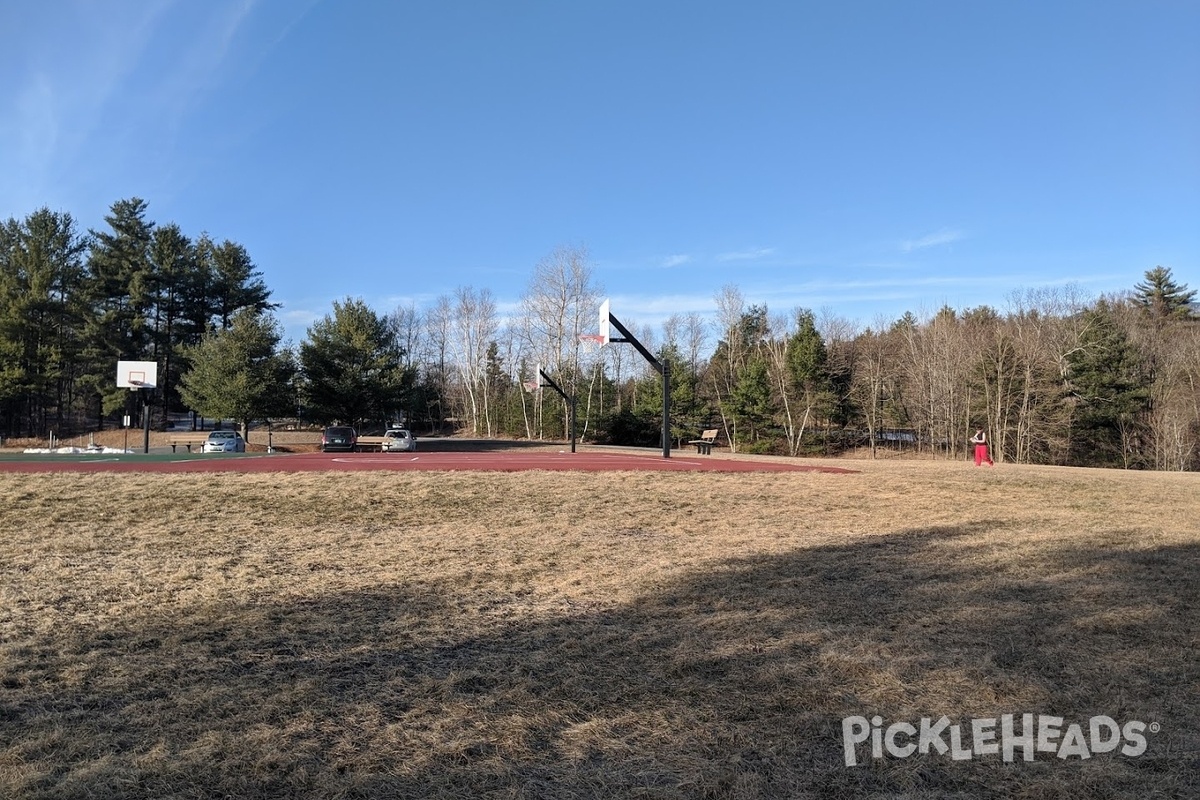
[589,343]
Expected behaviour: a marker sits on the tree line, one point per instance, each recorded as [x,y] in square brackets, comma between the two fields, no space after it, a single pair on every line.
[74,303]
[1055,377]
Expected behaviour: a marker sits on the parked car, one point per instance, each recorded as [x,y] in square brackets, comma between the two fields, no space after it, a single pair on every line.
[224,442]
[398,440]
[339,438]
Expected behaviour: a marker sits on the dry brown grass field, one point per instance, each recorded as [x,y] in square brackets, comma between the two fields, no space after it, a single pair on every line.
[562,635]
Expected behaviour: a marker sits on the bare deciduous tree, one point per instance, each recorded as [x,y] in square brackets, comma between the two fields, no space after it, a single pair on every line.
[875,364]
[560,304]
[473,327]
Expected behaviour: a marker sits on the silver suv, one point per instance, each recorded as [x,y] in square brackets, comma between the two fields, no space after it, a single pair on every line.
[398,440]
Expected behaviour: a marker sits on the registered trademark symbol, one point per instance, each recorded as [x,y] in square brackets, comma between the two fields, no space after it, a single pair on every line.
[1155,727]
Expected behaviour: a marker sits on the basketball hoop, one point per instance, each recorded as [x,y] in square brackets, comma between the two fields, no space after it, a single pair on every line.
[591,342]
[530,386]
[134,385]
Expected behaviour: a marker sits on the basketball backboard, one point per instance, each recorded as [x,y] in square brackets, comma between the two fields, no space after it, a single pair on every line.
[604,322]
[137,374]
[535,383]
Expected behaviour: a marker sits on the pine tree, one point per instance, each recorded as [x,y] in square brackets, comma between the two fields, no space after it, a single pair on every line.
[236,284]
[751,401]
[353,366]
[41,316]
[239,373]
[1110,387]
[808,382]
[119,287]
[172,258]
[1162,298]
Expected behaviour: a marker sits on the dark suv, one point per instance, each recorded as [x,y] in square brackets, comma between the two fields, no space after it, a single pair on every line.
[339,439]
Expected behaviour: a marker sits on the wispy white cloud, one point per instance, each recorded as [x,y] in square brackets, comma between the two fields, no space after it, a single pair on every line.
[862,300]
[299,11]
[54,101]
[944,236]
[86,101]
[752,254]
[201,64]
[640,307]
[676,261]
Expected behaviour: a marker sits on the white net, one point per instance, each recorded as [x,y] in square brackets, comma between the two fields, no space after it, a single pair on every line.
[590,343]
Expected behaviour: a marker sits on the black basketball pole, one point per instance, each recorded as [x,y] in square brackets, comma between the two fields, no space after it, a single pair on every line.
[660,368]
[666,417]
[549,383]
[145,419]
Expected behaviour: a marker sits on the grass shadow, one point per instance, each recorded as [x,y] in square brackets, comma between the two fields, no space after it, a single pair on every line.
[729,683]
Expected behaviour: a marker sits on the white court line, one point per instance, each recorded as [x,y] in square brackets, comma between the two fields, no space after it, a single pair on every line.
[378,460]
[187,460]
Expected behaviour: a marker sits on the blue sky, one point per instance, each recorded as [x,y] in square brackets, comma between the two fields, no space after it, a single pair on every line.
[865,158]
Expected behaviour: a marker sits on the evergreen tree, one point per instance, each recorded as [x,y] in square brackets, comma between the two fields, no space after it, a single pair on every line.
[1162,298]
[12,373]
[197,308]
[751,401]
[201,285]
[1110,388]
[352,366]
[119,287]
[686,414]
[744,333]
[236,284]
[807,357]
[808,382]
[41,315]
[239,373]
[172,258]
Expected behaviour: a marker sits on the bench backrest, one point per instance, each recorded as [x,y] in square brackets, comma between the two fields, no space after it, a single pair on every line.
[712,434]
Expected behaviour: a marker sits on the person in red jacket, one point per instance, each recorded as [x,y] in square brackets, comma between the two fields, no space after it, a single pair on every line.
[981,448]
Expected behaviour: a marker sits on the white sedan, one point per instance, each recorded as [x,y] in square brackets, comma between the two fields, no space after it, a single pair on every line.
[224,442]
[398,440]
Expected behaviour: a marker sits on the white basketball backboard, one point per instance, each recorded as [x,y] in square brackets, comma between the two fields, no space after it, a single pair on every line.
[534,383]
[137,374]
[604,322]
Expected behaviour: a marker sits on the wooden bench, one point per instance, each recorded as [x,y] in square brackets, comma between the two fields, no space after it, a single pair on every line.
[704,444]
[374,444]
[187,439]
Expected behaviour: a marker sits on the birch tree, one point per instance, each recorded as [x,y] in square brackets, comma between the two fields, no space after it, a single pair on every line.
[561,303]
[874,378]
[473,330]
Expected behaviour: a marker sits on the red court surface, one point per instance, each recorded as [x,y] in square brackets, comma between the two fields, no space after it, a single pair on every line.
[351,462]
